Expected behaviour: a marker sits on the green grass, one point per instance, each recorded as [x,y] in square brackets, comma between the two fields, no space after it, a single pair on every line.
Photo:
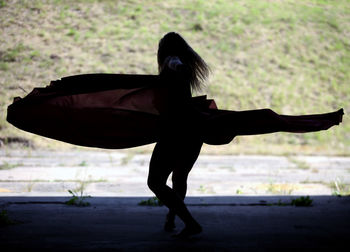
[302,165]
[90,181]
[279,203]
[83,163]
[127,158]
[154,201]
[205,189]
[280,188]
[290,56]
[302,201]
[239,191]
[78,197]
[6,166]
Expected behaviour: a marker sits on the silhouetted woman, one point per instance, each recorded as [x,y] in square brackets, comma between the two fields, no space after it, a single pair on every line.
[122,111]
[184,127]
[181,69]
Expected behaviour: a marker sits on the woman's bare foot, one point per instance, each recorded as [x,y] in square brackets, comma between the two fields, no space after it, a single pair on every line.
[189,231]
[169,225]
[340,114]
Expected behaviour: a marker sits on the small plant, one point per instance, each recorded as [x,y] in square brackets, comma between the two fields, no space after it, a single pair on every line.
[279,203]
[281,189]
[299,164]
[126,159]
[340,188]
[206,189]
[154,201]
[78,200]
[3,65]
[72,32]
[83,163]
[202,189]
[78,197]
[4,219]
[13,54]
[2,3]
[30,185]
[302,201]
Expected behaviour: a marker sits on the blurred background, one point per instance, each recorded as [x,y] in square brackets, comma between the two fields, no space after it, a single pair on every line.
[290,56]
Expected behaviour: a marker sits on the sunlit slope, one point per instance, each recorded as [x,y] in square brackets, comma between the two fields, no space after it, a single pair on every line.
[291,56]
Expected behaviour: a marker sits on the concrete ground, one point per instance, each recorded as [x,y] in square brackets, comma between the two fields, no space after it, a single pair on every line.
[113,173]
[240,223]
[242,202]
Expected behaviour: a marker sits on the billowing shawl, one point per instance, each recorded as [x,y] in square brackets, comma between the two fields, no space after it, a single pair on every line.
[122,110]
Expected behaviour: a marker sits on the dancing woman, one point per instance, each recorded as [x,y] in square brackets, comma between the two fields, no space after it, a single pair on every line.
[179,145]
[121,111]
[184,127]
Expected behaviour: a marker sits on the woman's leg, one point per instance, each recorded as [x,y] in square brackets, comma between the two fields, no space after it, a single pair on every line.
[316,122]
[181,168]
[160,168]
[262,121]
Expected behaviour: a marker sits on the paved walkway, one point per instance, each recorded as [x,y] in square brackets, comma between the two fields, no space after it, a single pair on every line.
[112,173]
[242,202]
[238,223]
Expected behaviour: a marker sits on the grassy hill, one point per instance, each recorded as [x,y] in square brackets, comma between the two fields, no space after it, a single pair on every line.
[290,56]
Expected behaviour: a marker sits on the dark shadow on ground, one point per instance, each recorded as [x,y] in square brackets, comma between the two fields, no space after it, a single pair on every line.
[239,223]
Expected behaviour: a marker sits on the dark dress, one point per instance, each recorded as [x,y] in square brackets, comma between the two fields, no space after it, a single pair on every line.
[122,111]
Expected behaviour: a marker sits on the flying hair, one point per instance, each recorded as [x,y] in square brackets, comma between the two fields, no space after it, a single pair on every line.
[172,44]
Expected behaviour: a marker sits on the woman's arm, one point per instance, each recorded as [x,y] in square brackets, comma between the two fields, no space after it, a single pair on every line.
[103,81]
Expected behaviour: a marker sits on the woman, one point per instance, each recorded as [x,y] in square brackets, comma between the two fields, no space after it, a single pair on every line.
[121,111]
[181,69]
[184,128]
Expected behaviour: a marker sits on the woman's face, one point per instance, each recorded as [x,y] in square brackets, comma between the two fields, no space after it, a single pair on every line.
[171,44]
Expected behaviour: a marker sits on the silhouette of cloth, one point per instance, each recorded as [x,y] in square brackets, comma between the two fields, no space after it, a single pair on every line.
[117,111]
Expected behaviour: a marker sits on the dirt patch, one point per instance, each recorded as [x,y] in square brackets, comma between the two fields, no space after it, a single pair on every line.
[15,141]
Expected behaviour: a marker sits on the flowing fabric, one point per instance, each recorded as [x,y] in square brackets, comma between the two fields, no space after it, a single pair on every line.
[121,111]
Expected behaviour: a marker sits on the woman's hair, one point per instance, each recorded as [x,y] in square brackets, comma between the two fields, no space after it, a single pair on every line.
[172,44]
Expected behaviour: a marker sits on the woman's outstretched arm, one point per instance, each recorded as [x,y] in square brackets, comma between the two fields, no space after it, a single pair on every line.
[103,81]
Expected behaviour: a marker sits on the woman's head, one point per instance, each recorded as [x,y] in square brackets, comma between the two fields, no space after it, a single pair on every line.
[172,44]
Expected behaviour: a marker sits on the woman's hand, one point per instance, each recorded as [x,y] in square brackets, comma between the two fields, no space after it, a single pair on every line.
[173,62]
